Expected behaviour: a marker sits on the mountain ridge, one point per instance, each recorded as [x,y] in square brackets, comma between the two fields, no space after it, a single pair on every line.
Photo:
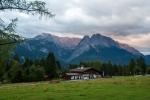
[74,50]
[98,44]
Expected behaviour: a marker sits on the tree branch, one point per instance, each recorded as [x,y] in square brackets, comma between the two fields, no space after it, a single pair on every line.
[8,43]
[29,7]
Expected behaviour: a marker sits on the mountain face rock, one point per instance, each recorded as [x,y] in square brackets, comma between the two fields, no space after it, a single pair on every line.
[41,45]
[74,50]
[98,47]
[67,42]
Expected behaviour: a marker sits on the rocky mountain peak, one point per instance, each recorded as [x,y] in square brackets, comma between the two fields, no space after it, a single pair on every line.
[71,50]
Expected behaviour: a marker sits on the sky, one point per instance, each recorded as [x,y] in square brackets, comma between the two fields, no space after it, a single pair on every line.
[127,21]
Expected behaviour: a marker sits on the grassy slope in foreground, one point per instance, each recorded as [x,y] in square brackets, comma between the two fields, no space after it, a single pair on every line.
[118,88]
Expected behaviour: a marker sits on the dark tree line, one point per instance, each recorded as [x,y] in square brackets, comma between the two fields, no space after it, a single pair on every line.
[14,70]
[134,67]
[38,70]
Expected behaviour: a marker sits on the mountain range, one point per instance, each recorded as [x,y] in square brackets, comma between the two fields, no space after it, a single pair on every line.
[73,50]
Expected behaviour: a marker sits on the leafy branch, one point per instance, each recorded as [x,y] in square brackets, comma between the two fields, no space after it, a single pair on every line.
[33,7]
[28,7]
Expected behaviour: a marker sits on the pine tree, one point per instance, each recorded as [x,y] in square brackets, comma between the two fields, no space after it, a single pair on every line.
[141,64]
[2,70]
[131,66]
[16,72]
[109,68]
[36,73]
[51,66]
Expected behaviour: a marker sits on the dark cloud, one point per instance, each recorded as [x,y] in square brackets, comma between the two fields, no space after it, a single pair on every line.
[82,17]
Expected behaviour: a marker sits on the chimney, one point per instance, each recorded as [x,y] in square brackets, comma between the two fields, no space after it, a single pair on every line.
[81,67]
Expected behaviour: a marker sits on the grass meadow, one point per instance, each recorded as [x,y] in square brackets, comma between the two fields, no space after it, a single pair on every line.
[116,88]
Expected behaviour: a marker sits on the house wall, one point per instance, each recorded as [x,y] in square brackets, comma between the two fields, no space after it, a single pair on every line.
[89,74]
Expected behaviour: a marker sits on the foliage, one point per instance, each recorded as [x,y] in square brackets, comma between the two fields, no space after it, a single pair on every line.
[33,7]
[36,73]
[6,50]
[7,32]
[51,65]
[1,69]
[141,64]
[15,71]
[132,66]
[135,67]
[29,7]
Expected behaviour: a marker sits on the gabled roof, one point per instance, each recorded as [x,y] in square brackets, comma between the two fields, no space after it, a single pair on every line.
[81,69]
[71,74]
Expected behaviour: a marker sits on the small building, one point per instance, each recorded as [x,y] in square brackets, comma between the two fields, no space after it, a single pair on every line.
[82,73]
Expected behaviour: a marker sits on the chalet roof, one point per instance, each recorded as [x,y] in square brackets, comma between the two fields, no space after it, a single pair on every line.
[71,74]
[82,69]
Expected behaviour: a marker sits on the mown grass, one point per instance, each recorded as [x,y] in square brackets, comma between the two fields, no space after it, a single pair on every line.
[116,88]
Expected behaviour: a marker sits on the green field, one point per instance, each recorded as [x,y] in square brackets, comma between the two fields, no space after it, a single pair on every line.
[116,88]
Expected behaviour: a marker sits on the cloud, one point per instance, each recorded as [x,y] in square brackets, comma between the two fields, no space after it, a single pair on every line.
[140,41]
[122,18]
